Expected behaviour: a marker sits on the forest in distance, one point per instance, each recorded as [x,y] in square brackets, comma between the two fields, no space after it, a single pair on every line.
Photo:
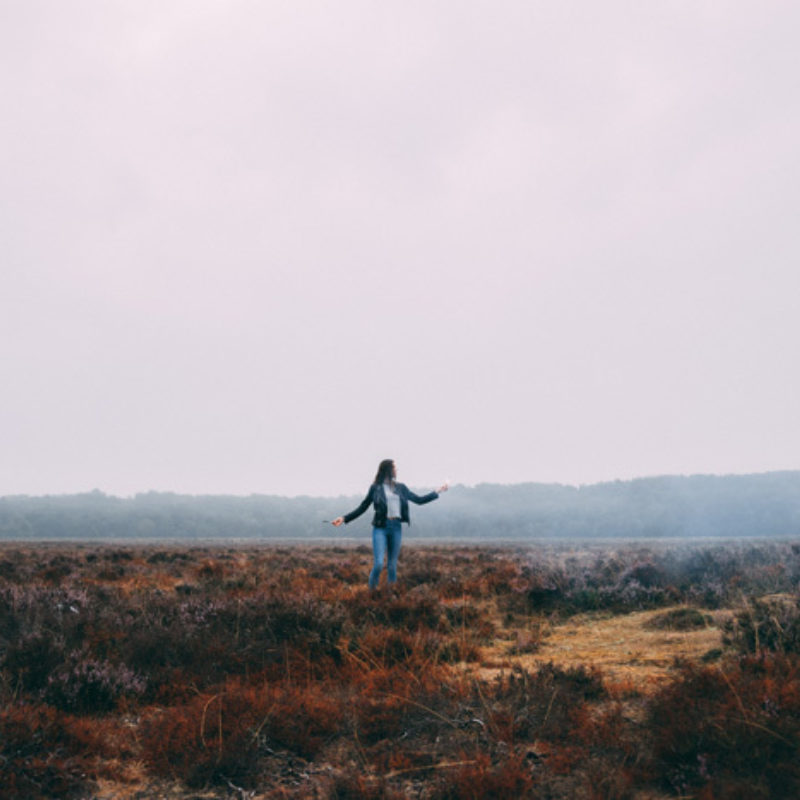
[696,507]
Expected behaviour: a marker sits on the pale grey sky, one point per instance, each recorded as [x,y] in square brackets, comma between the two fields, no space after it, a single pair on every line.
[259,246]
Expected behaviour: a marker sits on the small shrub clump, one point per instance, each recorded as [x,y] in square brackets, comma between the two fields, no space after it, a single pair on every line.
[88,685]
[771,625]
[680,619]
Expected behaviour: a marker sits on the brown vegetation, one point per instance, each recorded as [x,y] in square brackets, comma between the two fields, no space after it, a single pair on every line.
[271,672]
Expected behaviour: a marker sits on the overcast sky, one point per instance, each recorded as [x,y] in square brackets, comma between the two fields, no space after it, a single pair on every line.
[259,246]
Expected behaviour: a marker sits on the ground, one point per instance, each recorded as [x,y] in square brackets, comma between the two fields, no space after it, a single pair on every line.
[264,672]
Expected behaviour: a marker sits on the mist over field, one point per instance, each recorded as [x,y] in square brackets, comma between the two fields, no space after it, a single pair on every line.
[700,506]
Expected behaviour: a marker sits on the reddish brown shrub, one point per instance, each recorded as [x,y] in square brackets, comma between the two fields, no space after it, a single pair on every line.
[465,616]
[302,718]
[612,744]
[418,608]
[218,737]
[390,702]
[388,646]
[546,704]
[207,740]
[38,756]
[510,779]
[384,647]
[730,731]
[210,570]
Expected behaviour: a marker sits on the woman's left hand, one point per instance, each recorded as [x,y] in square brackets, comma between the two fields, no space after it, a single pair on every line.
[443,488]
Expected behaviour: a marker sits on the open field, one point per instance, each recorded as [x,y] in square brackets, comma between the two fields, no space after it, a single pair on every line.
[624,671]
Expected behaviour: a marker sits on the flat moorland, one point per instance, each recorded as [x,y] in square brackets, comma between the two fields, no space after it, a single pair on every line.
[624,671]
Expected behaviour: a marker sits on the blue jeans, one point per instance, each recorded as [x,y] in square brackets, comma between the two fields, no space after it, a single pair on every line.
[385,540]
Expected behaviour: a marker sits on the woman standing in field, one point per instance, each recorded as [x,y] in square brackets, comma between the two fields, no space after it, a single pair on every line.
[390,499]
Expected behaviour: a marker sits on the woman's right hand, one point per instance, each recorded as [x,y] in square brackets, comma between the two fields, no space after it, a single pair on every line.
[337,522]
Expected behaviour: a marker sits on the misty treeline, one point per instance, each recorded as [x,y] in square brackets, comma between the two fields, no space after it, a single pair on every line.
[763,505]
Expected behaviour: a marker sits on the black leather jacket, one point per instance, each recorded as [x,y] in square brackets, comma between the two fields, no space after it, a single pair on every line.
[376,496]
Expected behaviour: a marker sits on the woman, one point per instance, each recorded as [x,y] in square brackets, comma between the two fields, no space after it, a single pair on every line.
[390,499]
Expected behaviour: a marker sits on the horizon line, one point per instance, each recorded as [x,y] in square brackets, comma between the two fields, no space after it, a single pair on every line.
[657,476]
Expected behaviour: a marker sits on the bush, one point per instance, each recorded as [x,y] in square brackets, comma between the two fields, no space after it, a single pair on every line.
[544,704]
[221,737]
[772,625]
[680,619]
[732,731]
[85,684]
[418,608]
[37,756]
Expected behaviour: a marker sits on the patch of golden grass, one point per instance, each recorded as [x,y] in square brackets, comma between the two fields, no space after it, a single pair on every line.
[631,656]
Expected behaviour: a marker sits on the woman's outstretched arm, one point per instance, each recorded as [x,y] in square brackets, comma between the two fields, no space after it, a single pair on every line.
[426,498]
[357,512]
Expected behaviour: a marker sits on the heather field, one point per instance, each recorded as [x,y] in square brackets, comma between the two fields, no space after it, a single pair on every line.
[556,671]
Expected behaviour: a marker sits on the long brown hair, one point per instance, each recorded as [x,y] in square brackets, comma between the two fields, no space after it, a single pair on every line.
[385,471]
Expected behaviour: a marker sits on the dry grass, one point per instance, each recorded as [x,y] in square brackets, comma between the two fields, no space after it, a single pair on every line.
[621,646]
[274,668]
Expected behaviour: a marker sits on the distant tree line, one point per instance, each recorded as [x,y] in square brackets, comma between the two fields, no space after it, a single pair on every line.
[698,506]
